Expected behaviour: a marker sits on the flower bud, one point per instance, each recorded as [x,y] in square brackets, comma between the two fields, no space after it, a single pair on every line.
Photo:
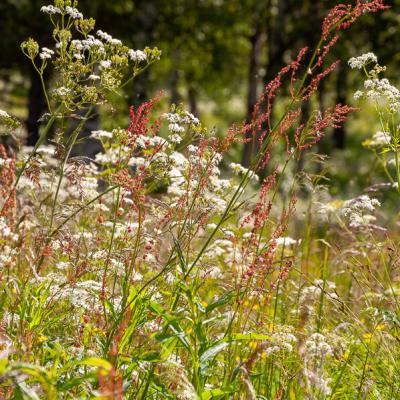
[30,48]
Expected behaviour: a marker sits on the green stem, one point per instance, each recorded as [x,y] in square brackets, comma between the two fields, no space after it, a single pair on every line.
[64,163]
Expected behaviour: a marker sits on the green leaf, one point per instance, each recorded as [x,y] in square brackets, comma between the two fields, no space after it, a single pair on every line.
[211,352]
[391,317]
[24,389]
[213,394]
[249,336]
[182,261]
[168,347]
[96,362]
[126,337]
[71,383]
[219,303]
[173,324]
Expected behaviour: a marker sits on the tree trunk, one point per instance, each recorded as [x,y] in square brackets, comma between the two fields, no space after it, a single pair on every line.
[192,97]
[146,19]
[36,107]
[175,97]
[276,48]
[339,134]
[252,94]
[86,146]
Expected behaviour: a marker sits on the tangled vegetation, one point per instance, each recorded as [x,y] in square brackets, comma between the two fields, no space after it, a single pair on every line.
[158,270]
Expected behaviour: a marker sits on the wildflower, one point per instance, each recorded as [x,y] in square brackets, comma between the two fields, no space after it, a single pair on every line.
[358,94]
[30,48]
[105,64]
[189,118]
[94,77]
[286,241]
[46,53]
[240,170]
[108,38]
[73,12]
[355,210]
[175,138]
[62,91]
[342,16]
[282,340]
[379,139]
[104,35]
[316,346]
[50,9]
[4,114]
[137,55]
[91,43]
[315,351]
[101,134]
[363,60]
[62,265]
[176,128]
[115,42]
[381,89]
[182,117]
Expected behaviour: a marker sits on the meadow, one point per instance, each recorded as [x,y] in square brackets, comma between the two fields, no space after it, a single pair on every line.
[162,268]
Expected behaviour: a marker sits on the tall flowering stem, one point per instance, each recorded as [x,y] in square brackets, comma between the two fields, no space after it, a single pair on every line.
[339,18]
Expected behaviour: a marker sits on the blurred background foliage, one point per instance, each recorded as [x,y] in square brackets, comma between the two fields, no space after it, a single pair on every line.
[217,57]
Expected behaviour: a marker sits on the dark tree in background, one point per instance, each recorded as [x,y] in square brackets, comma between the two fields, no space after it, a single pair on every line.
[213,50]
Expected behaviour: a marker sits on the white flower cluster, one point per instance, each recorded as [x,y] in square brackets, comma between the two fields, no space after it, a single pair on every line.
[358,211]
[122,230]
[316,346]
[316,350]
[90,43]
[4,162]
[105,64]
[137,55]
[86,188]
[380,139]
[4,114]
[177,122]
[46,53]
[146,142]
[83,294]
[220,247]
[101,134]
[108,38]
[240,170]
[363,60]
[310,296]
[175,138]
[286,241]
[6,256]
[376,89]
[187,118]
[281,341]
[62,91]
[176,128]
[50,9]
[94,77]
[5,231]
[73,12]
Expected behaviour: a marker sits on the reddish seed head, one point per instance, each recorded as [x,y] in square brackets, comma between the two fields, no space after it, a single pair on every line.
[342,16]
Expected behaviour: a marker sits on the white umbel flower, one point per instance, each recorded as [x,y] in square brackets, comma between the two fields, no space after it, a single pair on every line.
[73,12]
[363,60]
[137,55]
[50,9]
[46,53]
